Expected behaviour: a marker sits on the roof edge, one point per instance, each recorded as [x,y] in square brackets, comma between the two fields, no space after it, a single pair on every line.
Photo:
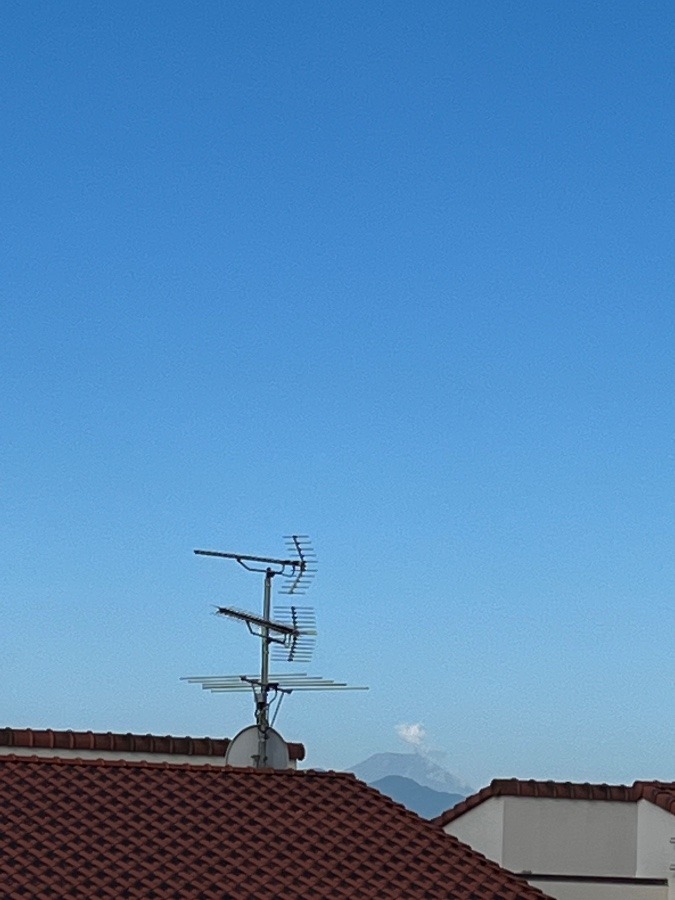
[118,742]
[99,762]
[551,790]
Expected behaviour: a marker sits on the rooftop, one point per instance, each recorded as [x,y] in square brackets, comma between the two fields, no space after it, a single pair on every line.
[115,829]
[660,793]
[111,742]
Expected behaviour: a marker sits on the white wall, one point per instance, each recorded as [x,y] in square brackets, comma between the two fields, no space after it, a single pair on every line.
[655,853]
[594,891]
[655,850]
[576,837]
[556,837]
[482,828]
[570,837]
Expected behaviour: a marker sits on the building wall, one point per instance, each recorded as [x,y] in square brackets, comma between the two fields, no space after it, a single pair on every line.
[570,837]
[596,891]
[577,837]
[482,828]
[656,844]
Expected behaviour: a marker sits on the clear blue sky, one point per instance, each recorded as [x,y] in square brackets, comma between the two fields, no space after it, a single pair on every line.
[396,275]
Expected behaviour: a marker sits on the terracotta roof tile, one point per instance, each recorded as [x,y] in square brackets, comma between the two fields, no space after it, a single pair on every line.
[109,741]
[117,829]
[660,793]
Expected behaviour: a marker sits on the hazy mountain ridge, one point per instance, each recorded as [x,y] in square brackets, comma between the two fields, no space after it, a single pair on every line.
[425,801]
[414,766]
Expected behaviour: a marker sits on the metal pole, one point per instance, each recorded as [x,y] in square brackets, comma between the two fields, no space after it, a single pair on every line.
[263,709]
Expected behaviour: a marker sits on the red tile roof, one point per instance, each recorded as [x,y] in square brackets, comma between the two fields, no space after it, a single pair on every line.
[104,828]
[122,743]
[660,793]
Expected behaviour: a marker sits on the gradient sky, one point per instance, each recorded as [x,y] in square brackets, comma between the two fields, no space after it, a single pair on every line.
[398,276]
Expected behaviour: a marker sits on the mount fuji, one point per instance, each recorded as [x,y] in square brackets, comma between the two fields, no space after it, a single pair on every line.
[414,780]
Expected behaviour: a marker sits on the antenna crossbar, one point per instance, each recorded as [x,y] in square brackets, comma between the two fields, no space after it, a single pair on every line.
[292,634]
[253,619]
[298,569]
[242,557]
[285,683]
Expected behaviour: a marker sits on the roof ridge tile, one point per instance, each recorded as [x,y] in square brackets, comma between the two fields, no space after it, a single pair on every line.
[132,742]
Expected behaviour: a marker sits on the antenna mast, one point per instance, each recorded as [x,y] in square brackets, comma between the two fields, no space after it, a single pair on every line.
[291,633]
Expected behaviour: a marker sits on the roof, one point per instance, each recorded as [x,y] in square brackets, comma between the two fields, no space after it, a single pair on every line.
[660,793]
[109,828]
[109,741]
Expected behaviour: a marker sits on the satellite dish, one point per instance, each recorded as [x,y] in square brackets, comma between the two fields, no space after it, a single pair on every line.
[244,750]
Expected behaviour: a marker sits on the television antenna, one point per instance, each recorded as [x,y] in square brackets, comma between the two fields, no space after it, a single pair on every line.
[290,634]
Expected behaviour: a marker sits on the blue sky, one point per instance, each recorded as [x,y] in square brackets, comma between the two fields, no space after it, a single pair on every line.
[397,276]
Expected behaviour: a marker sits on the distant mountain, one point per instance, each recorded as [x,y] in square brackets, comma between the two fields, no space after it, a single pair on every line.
[416,766]
[422,800]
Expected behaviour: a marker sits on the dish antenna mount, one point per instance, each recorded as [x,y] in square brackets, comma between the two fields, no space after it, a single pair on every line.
[290,634]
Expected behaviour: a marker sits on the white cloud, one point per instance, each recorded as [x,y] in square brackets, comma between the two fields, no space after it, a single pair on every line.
[413,734]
